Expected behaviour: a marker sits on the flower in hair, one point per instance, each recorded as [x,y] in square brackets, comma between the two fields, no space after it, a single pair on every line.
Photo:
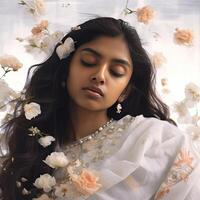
[46,140]
[56,159]
[32,110]
[45,182]
[76,28]
[66,48]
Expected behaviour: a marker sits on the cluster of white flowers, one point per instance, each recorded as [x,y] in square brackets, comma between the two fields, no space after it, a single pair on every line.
[188,111]
[41,40]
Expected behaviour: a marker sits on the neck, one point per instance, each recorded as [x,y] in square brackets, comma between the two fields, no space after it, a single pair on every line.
[86,122]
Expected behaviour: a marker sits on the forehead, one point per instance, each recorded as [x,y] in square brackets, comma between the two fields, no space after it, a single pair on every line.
[109,47]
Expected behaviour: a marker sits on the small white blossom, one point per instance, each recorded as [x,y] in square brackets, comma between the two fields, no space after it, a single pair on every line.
[45,182]
[192,94]
[56,159]
[25,191]
[46,140]
[32,110]
[61,190]
[65,49]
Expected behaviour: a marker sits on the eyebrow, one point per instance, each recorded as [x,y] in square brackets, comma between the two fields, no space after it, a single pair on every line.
[121,61]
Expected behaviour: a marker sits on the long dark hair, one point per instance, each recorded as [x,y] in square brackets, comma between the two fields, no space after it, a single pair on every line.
[43,86]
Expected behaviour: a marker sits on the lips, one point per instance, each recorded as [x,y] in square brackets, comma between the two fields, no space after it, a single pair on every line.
[95,89]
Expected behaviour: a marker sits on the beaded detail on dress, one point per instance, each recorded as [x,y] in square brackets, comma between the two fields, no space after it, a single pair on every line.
[92,153]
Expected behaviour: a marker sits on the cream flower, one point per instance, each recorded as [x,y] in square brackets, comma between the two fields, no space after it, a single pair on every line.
[43,197]
[56,159]
[36,7]
[86,183]
[65,49]
[45,182]
[39,7]
[145,14]
[183,36]
[32,110]
[49,41]
[46,140]
[158,59]
[183,113]
[11,62]
[192,94]
[61,190]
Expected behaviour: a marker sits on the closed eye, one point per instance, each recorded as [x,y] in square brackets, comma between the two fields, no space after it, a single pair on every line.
[87,64]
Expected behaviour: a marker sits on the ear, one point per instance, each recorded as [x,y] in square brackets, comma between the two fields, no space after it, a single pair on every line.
[125,94]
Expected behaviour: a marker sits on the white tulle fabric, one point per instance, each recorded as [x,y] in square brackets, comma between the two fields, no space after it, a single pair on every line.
[151,160]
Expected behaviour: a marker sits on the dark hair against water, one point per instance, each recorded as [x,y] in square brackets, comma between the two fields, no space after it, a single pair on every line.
[44,87]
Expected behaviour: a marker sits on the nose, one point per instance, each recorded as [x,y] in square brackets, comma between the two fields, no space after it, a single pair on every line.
[99,75]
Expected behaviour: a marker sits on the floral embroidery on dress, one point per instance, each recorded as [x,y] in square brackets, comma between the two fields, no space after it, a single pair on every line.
[180,171]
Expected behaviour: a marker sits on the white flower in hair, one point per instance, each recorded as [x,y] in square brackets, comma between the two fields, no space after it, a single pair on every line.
[66,48]
[32,110]
[56,159]
[45,182]
[46,140]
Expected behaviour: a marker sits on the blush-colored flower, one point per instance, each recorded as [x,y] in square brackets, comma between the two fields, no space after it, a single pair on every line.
[183,37]
[45,182]
[32,110]
[43,197]
[11,62]
[66,48]
[145,14]
[86,183]
[40,27]
[61,190]
[46,140]
[158,59]
[56,159]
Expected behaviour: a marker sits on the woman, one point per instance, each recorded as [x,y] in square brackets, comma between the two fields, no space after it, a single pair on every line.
[90,125]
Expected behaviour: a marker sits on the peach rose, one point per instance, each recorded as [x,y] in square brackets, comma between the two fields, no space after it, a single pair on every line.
[86,183]
[10,62]
[183,37]
[40,27]
[145,14]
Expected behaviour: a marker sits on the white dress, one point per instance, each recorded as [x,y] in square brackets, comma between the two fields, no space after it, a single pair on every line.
[138,158]
[134,158]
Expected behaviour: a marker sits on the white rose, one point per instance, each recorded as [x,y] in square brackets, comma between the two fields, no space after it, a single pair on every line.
[45,182]
[56,159]
[46,140]
[66,48]
[32,110]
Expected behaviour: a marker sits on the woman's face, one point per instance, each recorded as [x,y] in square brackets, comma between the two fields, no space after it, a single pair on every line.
[99,73]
